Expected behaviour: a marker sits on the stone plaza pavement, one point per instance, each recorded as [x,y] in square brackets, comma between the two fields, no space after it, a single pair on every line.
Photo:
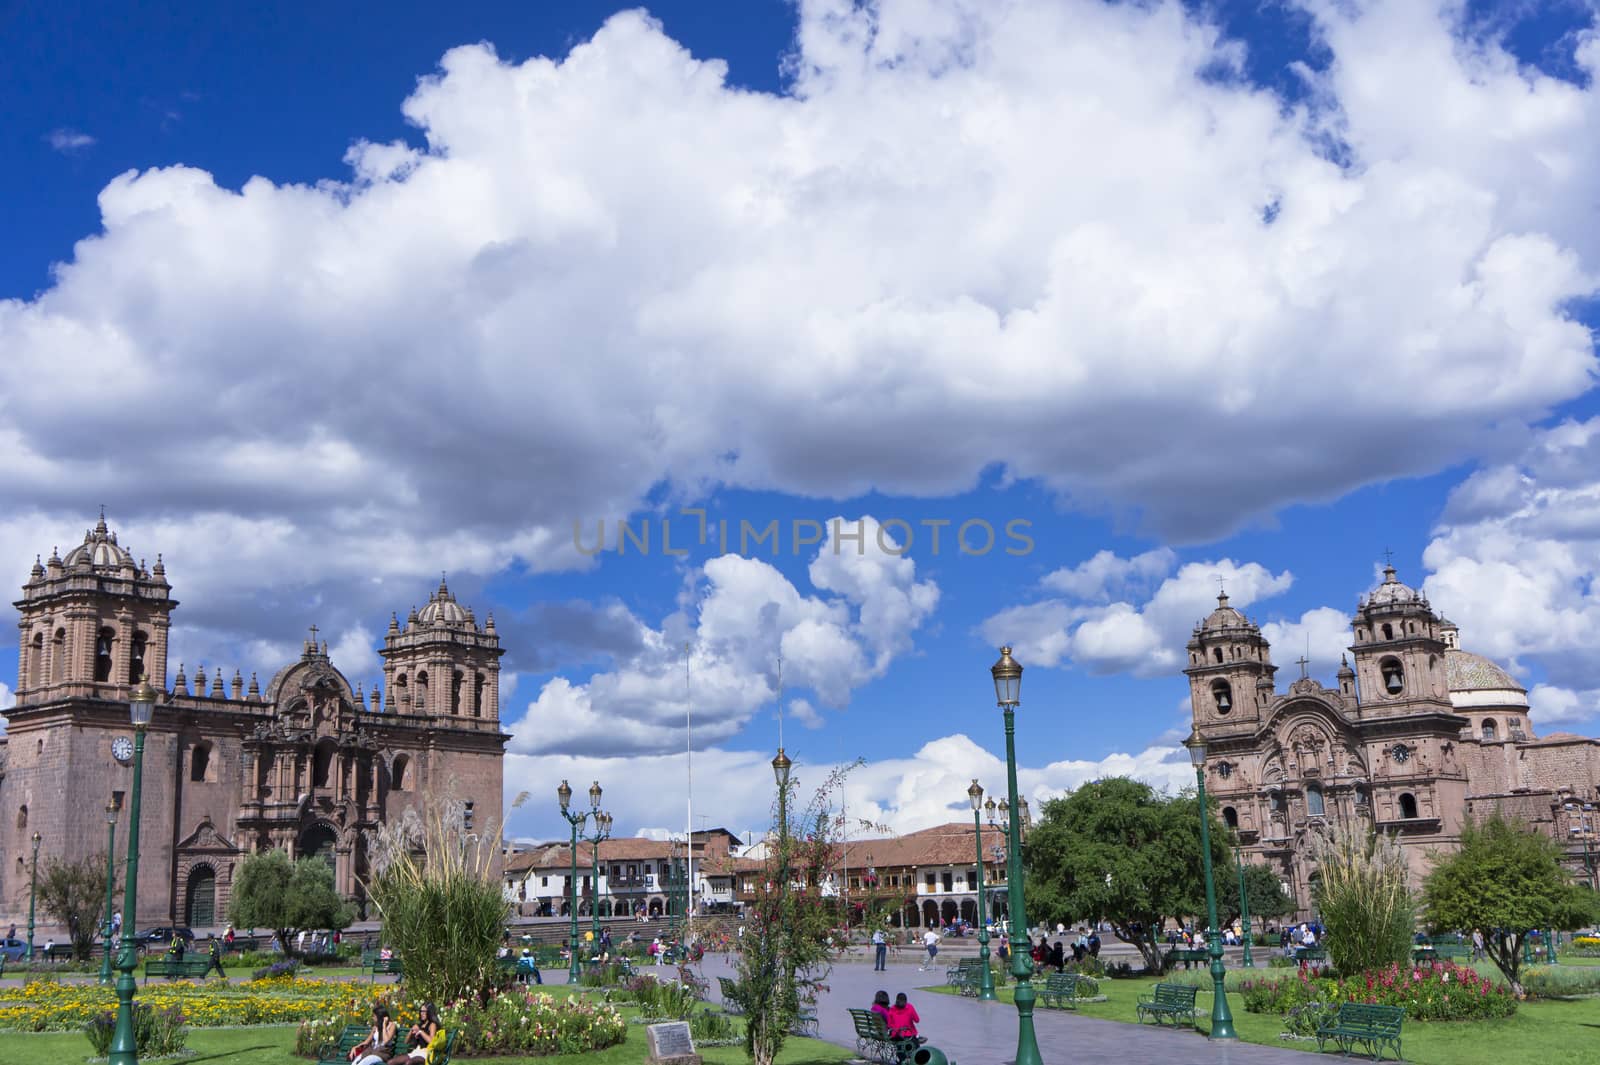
[974,1033]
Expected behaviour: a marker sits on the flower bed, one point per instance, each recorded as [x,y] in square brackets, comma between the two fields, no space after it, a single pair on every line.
[1441,991]
[513,1022]
[53,1007]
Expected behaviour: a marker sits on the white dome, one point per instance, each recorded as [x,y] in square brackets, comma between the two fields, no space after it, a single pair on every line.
[100,551]
[1475,682]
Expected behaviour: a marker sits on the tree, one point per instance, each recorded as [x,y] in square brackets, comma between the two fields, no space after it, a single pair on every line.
[443,910]
[1364,897]
[1115,850]
[785,952]
[74,893]
[1505,880]
[273,891]
[1263,889]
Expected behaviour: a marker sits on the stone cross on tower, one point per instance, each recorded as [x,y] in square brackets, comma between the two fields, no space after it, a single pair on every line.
[1303,662]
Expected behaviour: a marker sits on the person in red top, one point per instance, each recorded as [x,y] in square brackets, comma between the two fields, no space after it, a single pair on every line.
[880,1006]
[903,1018]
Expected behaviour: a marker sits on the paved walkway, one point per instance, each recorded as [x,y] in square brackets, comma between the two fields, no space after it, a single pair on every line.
[975,1033]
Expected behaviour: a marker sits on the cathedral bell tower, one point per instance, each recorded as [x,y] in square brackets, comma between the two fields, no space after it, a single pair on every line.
[1399,651]
[1230,670]
[92,623]
[444,665]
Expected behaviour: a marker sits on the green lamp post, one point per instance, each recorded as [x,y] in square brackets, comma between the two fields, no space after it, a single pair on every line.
[576,820]
[1221,1016]
[985,977]
[124,1048]
[1007,688]
[780,772]
[112,808]
[1244,908]
[33,890]
[601,833]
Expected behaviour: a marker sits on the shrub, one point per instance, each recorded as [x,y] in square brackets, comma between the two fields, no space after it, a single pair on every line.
[277,969]
[157,1033]
[1121,970]
[1304,1020]
[1437,992]
[1089,966]
[663,1000]
[712,1029]
[534,1024]
[1563,982]
[1365,898]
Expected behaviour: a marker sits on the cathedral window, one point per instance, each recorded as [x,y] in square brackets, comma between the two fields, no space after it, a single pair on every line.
[1222,694]
[36,661]
[1408,806]
[455,692]
[22,817]
[397,773]
[322,764]
[477,695]
[58,655]
[1388,631]
[1216,653]
[1489,731]
[136,658]
[1363,799]
[1230,817]
[102,654]
[1315,807]
[1275,802]
[1394,677]
[200,762]
[422,691]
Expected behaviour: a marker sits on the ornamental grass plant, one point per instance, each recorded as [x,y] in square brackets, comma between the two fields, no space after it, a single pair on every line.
[1365,898]
[443,911]
[157,1032]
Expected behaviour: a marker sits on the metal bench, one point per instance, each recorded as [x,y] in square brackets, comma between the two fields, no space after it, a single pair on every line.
[383,967]
[57,952]
[1188,956]
[1307,955]
[1370,1027]
[173,969]
[966,976]
[338,1051]
[730,995]
[1168,1002]
[698,985]
[1065,990]
[874,1043]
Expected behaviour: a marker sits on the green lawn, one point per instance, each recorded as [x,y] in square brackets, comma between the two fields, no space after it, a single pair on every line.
[1547,1032]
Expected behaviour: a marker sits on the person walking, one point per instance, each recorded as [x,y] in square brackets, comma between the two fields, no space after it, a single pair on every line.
[880,949]
[930,940]
[216,959]
[178,947]
[1477,944]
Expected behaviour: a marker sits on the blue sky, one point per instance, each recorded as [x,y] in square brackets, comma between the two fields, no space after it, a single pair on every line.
[1259,291]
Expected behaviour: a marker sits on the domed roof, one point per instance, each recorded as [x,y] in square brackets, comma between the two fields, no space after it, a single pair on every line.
[1225,616]
[1469,672]
[1391,591]
[443,609]
[100,550]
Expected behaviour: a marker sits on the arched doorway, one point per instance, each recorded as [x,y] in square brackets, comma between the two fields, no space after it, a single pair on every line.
[655,907]
[200,905]
[911,916]
[930,913]
[969,911]
[948,911]
[317,842]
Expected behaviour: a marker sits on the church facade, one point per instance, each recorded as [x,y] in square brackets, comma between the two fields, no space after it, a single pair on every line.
[1416,738]
[307,763]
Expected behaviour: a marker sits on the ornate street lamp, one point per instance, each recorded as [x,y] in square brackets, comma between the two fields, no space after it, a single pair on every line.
[985,977]
[601,833]
[124,1048]
[112,809]
[1221,1016]
[1244,908]
[1007,676]
[780,771]
[33,890]
[578,820]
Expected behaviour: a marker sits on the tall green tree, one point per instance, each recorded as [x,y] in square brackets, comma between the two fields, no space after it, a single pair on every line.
[1262,887]
[74,893]
[1118,851]
[274,891]
[1507,880]
[786,951]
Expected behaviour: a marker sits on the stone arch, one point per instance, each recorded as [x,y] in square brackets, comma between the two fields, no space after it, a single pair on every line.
[655,907]
[1408,806]
[322,757]
[930,913]
[910,919]
[58,657]
[318,840]
[138,646]
[948,911]
[969,911]
[35,676]
[105,652]
[399,772]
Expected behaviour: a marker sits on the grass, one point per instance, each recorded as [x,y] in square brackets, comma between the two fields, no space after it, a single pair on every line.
[1550,1033]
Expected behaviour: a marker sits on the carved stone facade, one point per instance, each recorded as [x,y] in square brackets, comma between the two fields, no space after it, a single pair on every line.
[309,765]
[1415,737]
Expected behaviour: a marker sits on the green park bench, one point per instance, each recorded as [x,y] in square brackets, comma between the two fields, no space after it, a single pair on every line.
[1358,1024]
[966,976]
[1066,990]
[56,952]
[189,968]
[730,995]
[1168,1002]
[1188,957]
[377,967]
[874,1043]
[700,986]
[1307,955]
[338,1051]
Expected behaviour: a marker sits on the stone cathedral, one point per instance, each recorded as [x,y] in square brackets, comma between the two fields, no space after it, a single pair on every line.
[307,763]
[1416,737]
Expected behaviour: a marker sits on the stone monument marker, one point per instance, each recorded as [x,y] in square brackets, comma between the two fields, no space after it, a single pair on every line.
[671,1044]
